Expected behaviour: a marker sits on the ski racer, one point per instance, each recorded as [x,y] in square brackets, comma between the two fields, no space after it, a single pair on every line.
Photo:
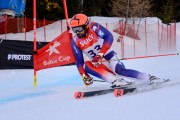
[94,41]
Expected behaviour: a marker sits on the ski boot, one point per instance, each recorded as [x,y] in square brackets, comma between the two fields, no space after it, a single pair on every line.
[154,79]
[120,82]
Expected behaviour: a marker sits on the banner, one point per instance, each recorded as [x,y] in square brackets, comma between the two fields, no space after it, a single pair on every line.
[16,54]
[56,53]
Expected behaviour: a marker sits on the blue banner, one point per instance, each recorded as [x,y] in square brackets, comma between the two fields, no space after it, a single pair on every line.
[16,6]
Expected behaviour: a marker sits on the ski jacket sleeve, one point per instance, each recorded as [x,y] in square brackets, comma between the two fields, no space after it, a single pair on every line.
[104,34]
[78,56]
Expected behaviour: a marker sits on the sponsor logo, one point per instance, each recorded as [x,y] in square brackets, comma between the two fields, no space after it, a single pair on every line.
[94,28]
[19,57]
[55,59]
[52,48]
[87,40]
[100,33]
[59,59]
[75,48]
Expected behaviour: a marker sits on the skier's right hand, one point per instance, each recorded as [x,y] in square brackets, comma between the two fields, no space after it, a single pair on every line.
[97,60]
[87,79]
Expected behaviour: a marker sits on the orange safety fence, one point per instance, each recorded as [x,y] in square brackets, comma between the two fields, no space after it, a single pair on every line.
[10,25]
[132,39]
[18,25]
[145,38]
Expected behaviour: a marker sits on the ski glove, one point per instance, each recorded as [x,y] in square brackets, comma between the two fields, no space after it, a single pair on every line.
[87,79]
[97,60]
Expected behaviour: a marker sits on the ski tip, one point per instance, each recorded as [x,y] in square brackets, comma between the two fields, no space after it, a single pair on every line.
[118,92]
[78,95]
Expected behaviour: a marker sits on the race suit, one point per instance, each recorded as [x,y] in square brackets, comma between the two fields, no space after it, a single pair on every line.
[99,39]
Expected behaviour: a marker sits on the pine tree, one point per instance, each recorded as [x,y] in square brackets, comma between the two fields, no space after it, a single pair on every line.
[134,8]
[166,13]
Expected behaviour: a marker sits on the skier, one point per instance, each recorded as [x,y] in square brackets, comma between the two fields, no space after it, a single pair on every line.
[94,41]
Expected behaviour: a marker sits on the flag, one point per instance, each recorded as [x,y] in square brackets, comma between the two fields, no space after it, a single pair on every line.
[56,53]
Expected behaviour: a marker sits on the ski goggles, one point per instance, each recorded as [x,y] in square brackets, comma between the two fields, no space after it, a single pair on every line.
[78,29]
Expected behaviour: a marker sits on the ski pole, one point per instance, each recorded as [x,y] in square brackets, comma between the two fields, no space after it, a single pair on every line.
[99,81]
[160,55]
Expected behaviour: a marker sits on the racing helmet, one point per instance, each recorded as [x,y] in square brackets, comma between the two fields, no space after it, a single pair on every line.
[78,23]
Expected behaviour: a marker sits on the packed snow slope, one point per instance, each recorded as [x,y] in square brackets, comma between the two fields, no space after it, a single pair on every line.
[53,97]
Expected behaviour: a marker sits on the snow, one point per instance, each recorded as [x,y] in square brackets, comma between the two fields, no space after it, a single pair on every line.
[53,97]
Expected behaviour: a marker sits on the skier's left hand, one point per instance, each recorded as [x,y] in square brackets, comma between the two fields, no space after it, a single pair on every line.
[97,60]
[87,79]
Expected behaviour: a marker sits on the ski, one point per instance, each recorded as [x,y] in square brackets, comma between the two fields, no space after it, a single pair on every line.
[120,91]
[141,88]
[124,90]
